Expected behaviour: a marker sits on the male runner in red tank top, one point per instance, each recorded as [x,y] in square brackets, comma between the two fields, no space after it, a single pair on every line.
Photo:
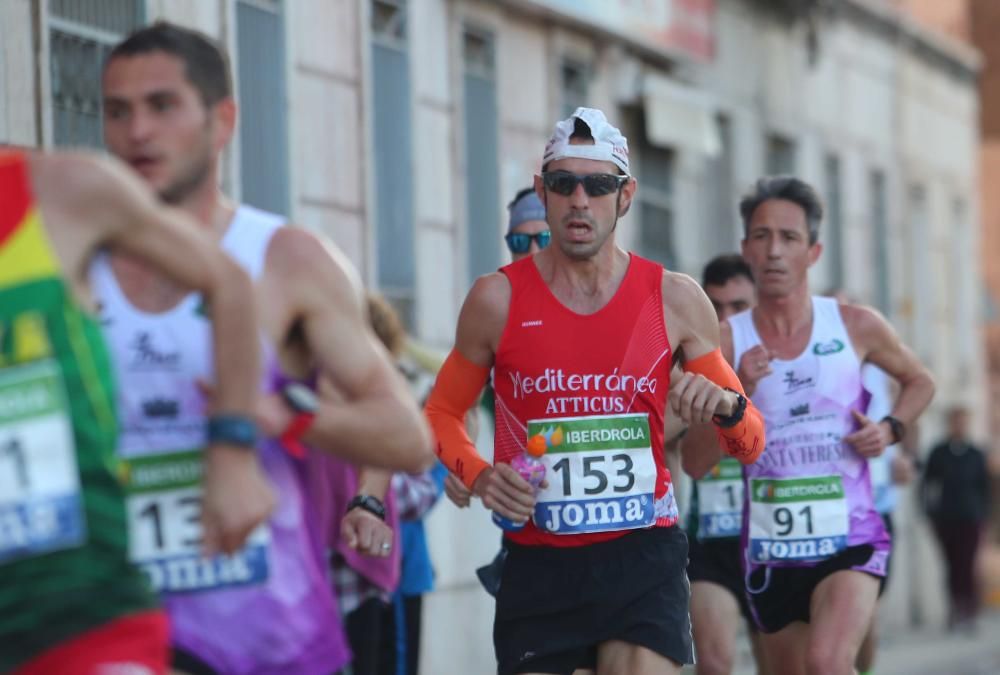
[581,338]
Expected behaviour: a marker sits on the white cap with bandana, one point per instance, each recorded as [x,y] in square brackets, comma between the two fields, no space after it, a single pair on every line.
[609,143]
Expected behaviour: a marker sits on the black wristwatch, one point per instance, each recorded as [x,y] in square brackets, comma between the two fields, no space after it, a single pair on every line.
[372,505]
[734,418]
[897,428]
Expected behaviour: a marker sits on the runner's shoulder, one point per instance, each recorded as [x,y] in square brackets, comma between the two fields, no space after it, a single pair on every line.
[681,291]
[685,304]
[866,325]
[489,297]
[302,258]
[484,315]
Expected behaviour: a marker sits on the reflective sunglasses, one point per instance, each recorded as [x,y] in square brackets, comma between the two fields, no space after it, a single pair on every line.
[594,184]
[519,242]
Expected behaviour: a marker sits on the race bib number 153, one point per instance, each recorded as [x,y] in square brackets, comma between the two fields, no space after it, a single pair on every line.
[600,471]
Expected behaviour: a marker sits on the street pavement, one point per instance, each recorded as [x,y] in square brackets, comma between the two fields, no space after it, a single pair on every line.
[926,651]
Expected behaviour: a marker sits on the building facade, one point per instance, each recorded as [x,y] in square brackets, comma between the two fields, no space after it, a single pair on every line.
[401,128]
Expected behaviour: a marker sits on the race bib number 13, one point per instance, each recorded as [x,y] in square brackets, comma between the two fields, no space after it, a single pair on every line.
[165,534]
[798,519]
[600,471]
[41,509]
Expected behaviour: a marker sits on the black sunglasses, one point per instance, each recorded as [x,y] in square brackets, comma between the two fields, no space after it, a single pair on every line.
[594,184]
[519,242]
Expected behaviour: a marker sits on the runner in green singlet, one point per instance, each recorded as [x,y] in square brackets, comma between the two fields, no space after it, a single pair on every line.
[70,602]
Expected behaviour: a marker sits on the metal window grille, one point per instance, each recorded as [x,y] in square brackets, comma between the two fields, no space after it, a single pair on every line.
[482,154]
[721,206]
[263,111]
[81,33]
[834,224]
[393,145]
[780,157]
[575,85]
[656,202]
[389,22]
[880,232]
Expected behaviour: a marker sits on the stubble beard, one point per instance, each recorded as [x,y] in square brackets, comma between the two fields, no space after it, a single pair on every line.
[193,175]
[584,251]
[186,184]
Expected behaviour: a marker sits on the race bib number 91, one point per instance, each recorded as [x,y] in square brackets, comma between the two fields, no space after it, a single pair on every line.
[165,534]
[600,472]
[41,509]
[799,519]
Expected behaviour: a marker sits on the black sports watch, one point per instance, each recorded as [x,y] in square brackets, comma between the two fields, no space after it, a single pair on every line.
[897,428]
[733,418]
[372,505]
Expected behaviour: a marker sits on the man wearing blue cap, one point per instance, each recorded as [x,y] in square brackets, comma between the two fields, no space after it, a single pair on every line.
[527,231]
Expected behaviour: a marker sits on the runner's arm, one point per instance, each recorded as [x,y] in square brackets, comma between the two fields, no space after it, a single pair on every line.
[457,389]
[687,308]
[364,531]
[878,343]
[378,422]
[700,447]
[374,481]
[461,379]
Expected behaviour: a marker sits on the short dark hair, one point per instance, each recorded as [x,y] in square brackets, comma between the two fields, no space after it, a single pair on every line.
[206,65]
[788,188]
[722,268]
[581,130]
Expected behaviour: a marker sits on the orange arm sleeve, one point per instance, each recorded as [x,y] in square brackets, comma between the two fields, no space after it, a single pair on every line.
[457,389]
[744,440]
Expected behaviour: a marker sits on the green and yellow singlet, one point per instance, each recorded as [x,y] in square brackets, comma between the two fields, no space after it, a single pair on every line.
[63,539]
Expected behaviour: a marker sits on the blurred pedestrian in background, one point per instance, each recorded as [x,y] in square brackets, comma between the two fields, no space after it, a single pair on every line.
[956,493]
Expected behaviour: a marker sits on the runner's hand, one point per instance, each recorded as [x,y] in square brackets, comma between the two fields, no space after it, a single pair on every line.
[459,495]
[237,498]
[901,469]
[755,365]
[871,438]
[695,399]
[503,490]
[366,533]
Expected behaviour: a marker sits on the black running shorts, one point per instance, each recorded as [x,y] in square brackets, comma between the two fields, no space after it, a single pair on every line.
[783,594]
[719,561]
[555,606]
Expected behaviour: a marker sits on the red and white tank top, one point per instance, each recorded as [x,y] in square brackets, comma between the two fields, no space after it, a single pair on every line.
[593,389]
